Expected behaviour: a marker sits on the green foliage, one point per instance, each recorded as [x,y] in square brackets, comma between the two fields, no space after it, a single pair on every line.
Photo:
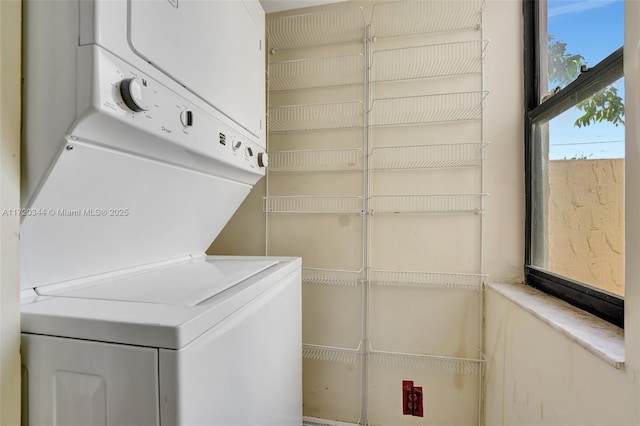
[604,105]
[563,67]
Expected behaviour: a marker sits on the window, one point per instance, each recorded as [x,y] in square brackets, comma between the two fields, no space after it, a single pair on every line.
[574,140]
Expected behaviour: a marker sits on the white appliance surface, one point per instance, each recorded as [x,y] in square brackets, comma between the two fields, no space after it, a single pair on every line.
[102,210]
[184,284]
[163,306]
[115,362]
[189,30]
[143,133]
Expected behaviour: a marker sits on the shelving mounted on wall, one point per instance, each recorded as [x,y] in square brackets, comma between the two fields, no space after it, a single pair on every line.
[310,73]
[331,276]
[391,112]
[428,362]
[427,61]
[427,279]
[316,29]
[327,116]
[406,18]
[426,204]
[314,204]
[424,109]
[331,354]
[319,160]
[435,156]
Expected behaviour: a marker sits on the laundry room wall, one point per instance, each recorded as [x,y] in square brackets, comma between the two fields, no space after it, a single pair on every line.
[537,374]
[10,27]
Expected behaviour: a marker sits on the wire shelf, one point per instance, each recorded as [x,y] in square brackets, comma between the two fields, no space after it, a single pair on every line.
[331,354]
[316,29]
[295,118]
[328,160]
[427,156]
[395,19]
[447,280]
[435,60]
[466,366]
[426,204]
[331,277]
[316,72]
[314,204]
[426,109]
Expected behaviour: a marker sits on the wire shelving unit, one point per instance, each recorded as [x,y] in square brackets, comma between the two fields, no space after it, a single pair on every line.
[373,68]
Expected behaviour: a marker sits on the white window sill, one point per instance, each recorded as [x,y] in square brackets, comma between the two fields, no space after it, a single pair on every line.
[597,336]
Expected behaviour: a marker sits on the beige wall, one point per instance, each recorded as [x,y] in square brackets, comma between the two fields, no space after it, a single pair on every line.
[9,225]
[537,376]
[504,120]
[586,222]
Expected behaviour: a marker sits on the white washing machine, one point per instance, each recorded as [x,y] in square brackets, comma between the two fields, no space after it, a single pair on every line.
[143,133]
[206,341]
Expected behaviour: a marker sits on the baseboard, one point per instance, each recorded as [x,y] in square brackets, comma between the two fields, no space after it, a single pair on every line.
[312,421]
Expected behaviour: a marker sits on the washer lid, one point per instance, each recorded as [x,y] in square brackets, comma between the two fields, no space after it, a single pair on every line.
[184,284]
[165,307]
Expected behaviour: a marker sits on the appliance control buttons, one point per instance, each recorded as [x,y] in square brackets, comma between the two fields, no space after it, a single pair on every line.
[263,159]
[134,91]
[186,117]
[249,152]
[236,145]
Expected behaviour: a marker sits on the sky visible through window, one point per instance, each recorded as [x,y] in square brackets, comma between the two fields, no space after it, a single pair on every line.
[593,29]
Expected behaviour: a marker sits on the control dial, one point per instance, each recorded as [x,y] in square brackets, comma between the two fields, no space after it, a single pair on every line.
[134,93]
[186,118]
[263,159]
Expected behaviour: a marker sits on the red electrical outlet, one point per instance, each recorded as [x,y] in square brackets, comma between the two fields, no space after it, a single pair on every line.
[412,399]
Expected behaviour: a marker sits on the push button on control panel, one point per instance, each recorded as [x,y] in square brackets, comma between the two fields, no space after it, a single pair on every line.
[186,118]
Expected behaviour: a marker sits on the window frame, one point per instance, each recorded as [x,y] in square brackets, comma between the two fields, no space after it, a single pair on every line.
[600,303]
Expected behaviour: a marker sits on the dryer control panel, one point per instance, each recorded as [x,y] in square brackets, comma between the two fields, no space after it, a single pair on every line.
[137,100]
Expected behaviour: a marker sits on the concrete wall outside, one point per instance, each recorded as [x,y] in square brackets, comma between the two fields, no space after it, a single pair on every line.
[586,221]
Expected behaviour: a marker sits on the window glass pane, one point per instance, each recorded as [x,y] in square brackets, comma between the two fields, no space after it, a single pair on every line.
[575,33]
[578,166]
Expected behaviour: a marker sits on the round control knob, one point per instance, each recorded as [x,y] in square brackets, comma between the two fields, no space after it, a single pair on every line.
[133,92]
[263,159]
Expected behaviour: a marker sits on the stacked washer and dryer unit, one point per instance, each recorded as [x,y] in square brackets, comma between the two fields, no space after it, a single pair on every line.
[144,130]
